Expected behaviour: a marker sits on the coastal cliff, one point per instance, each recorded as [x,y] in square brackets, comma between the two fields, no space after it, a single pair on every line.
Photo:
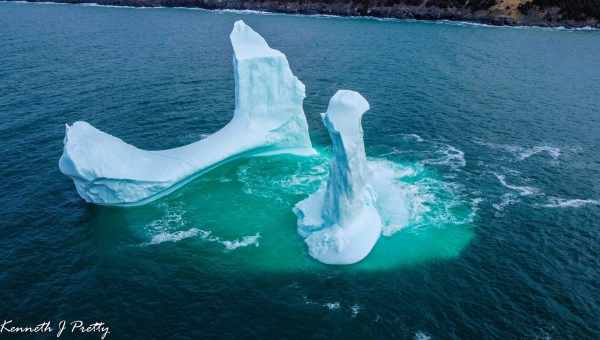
[567,13]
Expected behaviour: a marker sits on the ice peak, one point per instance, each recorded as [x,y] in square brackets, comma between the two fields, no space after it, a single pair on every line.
[345,111]
[249,44]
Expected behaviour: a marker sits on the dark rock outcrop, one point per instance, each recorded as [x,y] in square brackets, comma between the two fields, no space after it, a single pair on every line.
[499,12]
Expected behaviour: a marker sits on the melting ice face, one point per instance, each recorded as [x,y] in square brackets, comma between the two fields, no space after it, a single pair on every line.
[268,119]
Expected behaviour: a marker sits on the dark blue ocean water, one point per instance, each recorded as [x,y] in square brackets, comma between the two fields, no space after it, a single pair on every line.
[500,125]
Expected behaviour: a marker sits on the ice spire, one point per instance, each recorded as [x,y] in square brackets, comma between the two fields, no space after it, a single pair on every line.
[340,222]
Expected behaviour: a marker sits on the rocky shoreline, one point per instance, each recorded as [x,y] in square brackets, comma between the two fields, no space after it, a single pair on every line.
[547,13]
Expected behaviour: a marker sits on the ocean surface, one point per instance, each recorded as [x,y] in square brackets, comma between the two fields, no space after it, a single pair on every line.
[490,134]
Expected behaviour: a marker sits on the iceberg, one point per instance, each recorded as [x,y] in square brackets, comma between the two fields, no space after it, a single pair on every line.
[340,222]
[268,119]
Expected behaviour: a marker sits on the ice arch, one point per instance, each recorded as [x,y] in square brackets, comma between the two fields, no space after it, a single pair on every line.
[340,222]
[268,119]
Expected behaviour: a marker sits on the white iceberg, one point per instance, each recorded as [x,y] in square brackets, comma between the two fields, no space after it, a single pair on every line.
[340,222]
[268,119]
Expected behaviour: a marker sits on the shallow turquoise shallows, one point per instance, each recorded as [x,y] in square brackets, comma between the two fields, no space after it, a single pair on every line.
[491,134]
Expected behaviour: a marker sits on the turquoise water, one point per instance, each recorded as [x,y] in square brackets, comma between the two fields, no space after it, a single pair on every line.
[491,132]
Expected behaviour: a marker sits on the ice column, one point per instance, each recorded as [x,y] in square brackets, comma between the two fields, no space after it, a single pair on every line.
[340,222]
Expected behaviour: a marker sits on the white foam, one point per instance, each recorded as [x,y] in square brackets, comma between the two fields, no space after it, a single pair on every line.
[584,28]
[551,151]
[308,301]
[294,178]
[450,156]
[557,202]
[37,2]
[399,203]
[174,236]
[93,4]
[332,305]
[241,11]
[244,242]
[506,200]
[172,219]
[544,28]
[420,335]
[355,310]
[474,208]
[413,136]
[522,190]
[523,153]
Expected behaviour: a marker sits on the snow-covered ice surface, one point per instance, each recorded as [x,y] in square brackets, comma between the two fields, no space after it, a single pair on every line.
[340,222]
[268,119]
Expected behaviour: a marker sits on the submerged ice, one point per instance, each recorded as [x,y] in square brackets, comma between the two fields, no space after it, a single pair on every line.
[340,222]
[268,119]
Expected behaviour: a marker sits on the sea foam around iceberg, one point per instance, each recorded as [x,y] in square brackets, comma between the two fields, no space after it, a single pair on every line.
[409,194]
[425,215]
